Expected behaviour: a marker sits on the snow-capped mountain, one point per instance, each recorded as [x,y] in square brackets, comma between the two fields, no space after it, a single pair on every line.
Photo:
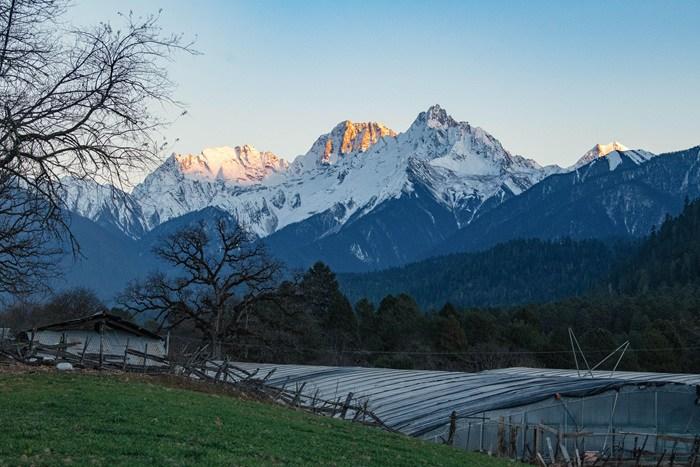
[346,174]
[354,166]
[267,203]
[344,139]
[215,177]
[365,197]
[386,205]
[242,165]
[618,195]
[106,205]
[611,154]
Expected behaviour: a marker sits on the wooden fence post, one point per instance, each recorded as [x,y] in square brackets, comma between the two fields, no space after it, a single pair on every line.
[61,341]
[535,443]
[102,325]
[85,346]
[126,354]
[31,342]
[550,450]
[469,432]
[145,353]
[453,428]
[346,405]
[501,446]
[513,446]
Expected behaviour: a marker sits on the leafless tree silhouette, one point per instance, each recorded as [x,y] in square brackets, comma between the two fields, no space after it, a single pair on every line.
[73,103]
[219,273]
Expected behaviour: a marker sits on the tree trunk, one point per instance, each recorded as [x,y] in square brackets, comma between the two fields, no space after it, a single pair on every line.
[215,338]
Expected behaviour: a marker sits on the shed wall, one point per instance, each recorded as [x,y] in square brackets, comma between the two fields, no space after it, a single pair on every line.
[114,343]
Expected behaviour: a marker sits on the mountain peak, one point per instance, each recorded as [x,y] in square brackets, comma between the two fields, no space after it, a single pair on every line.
[356,137]
[600,150]
[614,152]
[345,138]
[241,164]
[605,149]
[436,117]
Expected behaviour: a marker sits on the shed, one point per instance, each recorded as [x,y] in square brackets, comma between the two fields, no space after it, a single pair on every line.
[101,333]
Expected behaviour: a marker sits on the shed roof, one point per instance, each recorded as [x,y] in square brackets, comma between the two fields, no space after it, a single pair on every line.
[108,319]
[417,401]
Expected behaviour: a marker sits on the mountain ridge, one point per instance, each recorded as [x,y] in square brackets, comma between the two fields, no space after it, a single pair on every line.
[353,168]
[365,197]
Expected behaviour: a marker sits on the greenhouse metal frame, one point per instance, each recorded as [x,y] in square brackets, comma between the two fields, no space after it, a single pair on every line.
[520,413]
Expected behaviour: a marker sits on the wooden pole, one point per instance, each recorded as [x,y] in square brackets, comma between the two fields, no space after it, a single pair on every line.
[346,405]
[31,341]
[145,353]
[85,346]
[513,446]
[60,344]
[481,433]
[101,343]
[469,432]
[453,428]
[126,354]
[501,447]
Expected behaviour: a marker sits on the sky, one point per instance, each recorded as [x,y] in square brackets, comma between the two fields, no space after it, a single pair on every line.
[548,79]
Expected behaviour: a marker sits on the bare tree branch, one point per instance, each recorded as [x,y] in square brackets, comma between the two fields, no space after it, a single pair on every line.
[221,273]
[72,104]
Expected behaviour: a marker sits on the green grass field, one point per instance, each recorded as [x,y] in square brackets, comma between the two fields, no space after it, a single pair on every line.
[74,419]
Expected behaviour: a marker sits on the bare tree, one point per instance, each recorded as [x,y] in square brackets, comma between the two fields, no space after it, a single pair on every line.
[26,256]
[221,273]
[73,103]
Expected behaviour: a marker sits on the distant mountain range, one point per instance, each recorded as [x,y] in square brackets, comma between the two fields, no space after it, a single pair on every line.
[624,194]
[346,174]
[366,198]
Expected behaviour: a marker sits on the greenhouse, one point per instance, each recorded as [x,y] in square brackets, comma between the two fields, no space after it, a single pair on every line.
[520,412]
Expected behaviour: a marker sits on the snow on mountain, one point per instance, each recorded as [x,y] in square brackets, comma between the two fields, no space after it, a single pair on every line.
[600,150]
[459,164]
[346,172]
[463,165]
[611,153]
[214,177]
[106,205]
[242,165]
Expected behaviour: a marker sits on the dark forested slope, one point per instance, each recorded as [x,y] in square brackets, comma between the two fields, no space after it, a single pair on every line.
[520,271]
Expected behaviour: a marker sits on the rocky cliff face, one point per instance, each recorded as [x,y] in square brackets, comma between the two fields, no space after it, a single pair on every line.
[345,138]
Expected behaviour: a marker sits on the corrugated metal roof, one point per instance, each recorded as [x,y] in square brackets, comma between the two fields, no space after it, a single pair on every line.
[417,401]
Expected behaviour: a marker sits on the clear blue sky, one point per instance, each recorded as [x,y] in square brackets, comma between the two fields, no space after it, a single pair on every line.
[548,79]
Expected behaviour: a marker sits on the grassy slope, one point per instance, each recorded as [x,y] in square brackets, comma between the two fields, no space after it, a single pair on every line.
[55,419]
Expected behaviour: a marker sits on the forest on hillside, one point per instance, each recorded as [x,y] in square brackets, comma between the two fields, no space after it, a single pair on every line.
[650,297]
[512,273]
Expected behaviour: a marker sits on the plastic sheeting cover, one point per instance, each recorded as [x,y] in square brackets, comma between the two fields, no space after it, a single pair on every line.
[418,401]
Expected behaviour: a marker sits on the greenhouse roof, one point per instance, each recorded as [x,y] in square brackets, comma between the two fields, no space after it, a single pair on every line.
[633,376]
[418,401]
